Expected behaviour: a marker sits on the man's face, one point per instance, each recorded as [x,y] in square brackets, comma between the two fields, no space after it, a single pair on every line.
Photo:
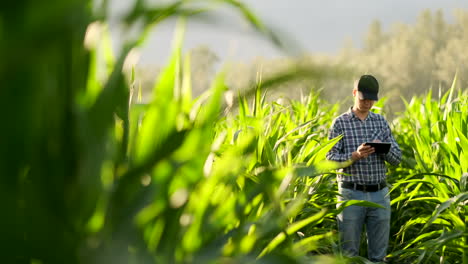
[363,105]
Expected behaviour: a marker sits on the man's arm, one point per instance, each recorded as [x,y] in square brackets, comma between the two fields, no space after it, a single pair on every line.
[394,155]
[337,151]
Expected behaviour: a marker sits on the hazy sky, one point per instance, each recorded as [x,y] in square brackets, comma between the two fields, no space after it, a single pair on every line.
[318,26]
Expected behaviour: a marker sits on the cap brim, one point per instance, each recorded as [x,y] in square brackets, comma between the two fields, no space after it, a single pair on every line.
[368,96]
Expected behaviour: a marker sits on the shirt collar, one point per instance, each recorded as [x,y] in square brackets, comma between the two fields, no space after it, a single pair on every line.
[351,114]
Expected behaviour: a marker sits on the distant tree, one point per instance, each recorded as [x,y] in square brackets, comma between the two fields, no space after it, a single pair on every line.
[453,56]
[203,66]
[410,59]
[374,37]
[406,59]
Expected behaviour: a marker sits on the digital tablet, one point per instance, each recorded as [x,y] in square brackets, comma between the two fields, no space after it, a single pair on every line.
[380,147]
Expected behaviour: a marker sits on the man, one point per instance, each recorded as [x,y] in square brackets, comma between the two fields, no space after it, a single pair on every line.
[365,178]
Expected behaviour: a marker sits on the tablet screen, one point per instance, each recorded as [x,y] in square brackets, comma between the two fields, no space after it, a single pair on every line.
[380,147]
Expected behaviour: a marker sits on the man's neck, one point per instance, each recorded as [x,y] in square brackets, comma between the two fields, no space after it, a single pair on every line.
[360,114]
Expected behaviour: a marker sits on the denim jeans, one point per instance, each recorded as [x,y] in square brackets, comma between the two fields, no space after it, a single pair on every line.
[376,220]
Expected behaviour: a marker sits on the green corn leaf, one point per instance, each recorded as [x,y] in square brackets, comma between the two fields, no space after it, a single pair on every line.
[93,87]
[463,143]
[423,237]
[166,86]
[448,102]
[136,113]
[129,185]
[455,181]
[285,137]
[211,110]
[164,108]
[310,243]
[186,93]
[319,154]
[464,182]
[434,244]
[462,197]
[290,230]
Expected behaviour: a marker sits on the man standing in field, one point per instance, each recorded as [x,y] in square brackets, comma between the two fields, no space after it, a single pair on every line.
[365,178]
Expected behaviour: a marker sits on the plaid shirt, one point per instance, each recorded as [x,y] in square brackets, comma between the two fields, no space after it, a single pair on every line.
[370,170]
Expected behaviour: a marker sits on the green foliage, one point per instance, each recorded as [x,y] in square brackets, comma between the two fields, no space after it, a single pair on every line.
[89,174]
[430,188]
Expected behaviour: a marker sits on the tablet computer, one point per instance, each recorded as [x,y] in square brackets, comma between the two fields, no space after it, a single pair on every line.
[380,147]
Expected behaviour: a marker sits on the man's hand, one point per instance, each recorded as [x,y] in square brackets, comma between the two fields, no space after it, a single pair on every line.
[362,152]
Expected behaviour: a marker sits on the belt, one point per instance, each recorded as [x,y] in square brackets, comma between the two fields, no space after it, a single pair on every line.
[364,188]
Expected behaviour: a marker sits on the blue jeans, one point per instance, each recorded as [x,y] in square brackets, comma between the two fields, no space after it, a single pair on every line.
[376,220]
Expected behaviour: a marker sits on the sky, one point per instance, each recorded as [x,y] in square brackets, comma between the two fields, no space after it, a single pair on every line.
[317,26]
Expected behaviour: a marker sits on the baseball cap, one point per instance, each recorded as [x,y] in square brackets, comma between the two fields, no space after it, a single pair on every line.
[368,88]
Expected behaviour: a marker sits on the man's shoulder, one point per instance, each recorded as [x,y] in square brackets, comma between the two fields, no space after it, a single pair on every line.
[377,116]
[344,116]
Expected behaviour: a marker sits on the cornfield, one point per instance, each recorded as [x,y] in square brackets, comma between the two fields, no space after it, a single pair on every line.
[91,173]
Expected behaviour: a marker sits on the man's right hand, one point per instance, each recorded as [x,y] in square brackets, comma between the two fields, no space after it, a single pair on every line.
[362,152]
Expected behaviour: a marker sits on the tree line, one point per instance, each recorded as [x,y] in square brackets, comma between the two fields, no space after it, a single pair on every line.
[407,59]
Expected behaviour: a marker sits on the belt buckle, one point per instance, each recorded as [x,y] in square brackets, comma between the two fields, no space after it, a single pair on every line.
[364,188]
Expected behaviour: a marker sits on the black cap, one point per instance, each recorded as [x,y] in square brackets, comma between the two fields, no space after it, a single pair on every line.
[368,88]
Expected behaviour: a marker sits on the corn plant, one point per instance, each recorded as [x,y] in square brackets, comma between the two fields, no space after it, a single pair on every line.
[91,174]
[430,188]
[81,166]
